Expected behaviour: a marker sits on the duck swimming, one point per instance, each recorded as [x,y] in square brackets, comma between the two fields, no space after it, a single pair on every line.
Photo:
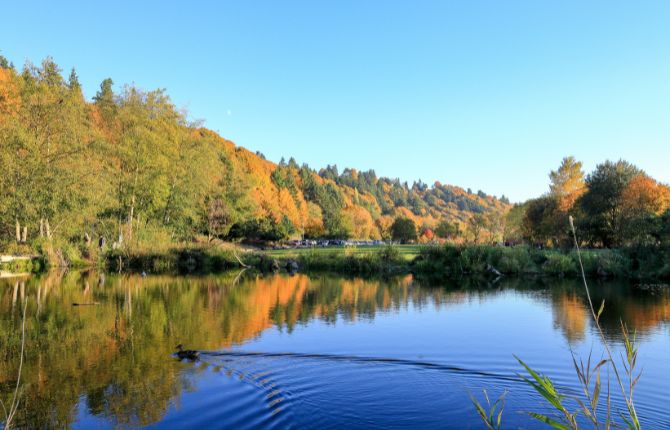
[187,354]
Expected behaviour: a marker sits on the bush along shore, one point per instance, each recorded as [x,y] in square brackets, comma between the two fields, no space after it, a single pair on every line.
[450,261]
[455,261]
[177,260]
[11,265]
[432,262]
[385,261]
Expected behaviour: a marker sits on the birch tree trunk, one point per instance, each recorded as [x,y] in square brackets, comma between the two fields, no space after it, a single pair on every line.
[130,219]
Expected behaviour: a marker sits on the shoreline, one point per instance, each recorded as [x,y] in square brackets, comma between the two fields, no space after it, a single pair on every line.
[428,262]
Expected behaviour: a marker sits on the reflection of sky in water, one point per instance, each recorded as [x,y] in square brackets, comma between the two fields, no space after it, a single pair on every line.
[481,332]
[353,353]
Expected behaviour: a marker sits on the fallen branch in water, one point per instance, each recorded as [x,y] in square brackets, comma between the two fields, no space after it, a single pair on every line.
[240,261]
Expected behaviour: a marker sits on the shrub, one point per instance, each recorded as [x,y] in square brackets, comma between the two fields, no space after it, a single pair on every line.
[474,259]
[559,265]
[613,263]
[515,260]
[386,261]
[590,260]
[14,248]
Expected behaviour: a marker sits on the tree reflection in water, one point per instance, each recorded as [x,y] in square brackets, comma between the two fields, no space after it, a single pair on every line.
[114,357]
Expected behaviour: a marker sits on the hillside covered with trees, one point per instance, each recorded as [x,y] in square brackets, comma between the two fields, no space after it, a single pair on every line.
[128,169]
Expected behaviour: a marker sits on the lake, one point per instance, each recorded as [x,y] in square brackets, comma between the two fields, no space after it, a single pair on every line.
[303,351]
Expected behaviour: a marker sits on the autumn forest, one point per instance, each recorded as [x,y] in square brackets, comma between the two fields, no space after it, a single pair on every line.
[128,169]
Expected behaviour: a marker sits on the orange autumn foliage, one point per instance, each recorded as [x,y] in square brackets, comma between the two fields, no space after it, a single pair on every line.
[10,100]
[362,223]
[161,177]
[644,194]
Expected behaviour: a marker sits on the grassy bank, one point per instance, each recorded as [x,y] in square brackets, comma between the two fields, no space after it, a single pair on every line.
[436,262]
[406,252]
[178,260]
[22,266]
[453,261]
[456,261]
[381,260]
[384,260]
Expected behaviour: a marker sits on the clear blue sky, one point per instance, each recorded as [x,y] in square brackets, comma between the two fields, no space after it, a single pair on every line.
[482,94]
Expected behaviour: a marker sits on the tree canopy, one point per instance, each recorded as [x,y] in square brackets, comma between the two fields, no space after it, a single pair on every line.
[403,230]
[615,205]
[130,167]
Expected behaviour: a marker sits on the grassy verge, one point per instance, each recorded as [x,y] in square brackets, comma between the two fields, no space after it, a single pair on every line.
[23,266]
[438,262]
[434,262]
[430,262]
[386,260]
[177,260]
[406,252]
[453,261]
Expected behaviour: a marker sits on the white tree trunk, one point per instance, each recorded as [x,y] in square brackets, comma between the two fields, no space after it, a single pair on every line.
[130,219]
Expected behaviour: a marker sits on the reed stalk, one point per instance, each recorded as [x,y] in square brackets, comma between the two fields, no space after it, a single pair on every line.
[588,376]
[14,405]
[631,350]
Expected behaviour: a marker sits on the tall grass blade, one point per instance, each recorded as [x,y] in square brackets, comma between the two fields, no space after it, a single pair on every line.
[492,418]
[545,419]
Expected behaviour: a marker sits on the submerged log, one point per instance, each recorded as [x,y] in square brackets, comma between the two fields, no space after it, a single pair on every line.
[492,270]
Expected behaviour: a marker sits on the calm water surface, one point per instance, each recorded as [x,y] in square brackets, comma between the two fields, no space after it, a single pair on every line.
[308,352]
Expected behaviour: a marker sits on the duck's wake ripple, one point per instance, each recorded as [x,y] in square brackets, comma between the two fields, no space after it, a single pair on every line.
[310,390]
